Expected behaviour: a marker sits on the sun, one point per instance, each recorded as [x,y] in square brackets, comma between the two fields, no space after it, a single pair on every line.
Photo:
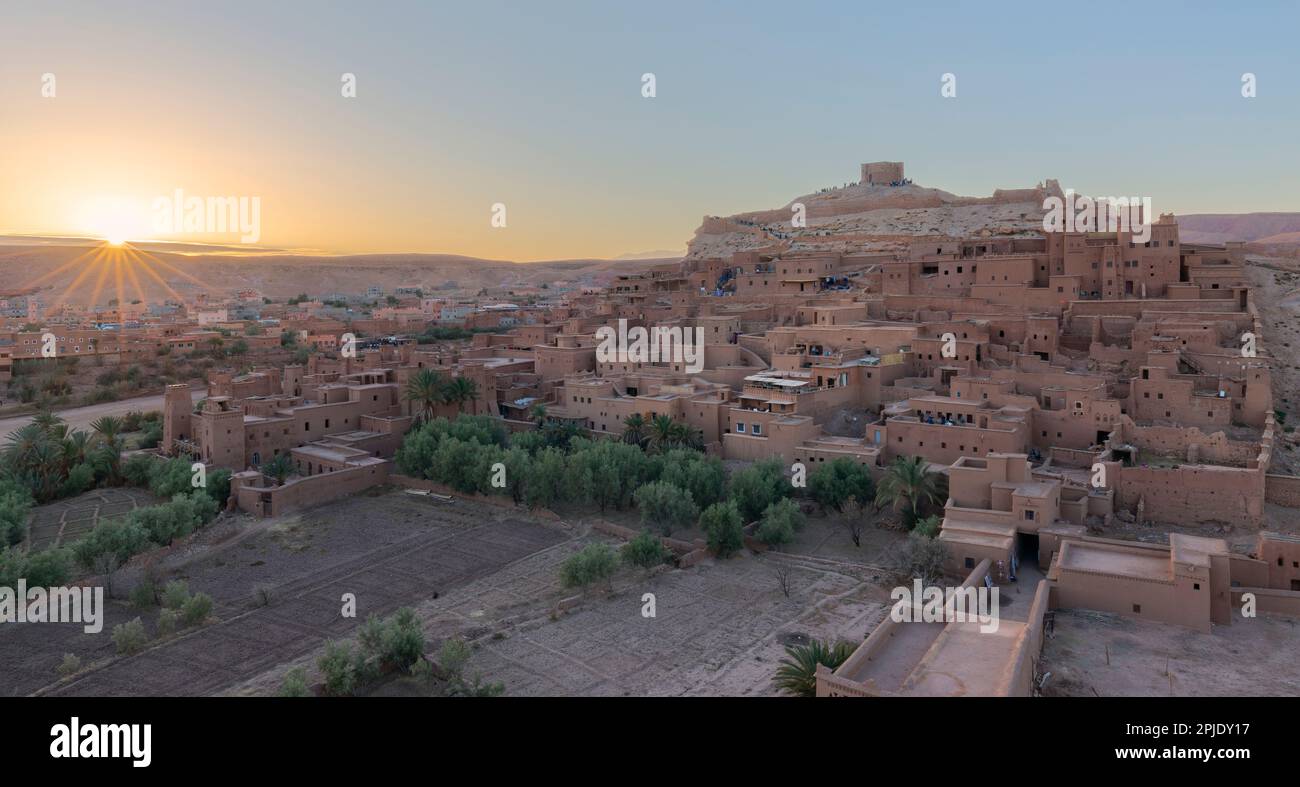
[115,220]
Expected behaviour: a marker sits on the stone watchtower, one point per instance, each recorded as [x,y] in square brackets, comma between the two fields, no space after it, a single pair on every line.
[882,173]
[177,410]
[291,380]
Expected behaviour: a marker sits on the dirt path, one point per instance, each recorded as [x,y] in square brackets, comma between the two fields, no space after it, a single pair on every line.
[81,417]
[1276,294]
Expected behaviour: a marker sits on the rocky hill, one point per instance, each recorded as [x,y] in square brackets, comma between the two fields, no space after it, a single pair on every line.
[861,217]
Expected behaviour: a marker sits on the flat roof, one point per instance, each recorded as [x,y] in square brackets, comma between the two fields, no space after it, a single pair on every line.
[1195,550]
[976,539]
[1114,560]
[967,662]
[779,381]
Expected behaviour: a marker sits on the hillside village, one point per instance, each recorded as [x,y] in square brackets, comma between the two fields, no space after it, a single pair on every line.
[1101,415]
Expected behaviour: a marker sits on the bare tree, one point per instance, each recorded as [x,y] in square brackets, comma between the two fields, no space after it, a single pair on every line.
[782,578]
[854,520]
[107,563]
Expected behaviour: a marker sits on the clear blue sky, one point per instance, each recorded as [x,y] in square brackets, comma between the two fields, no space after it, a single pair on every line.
[538,106]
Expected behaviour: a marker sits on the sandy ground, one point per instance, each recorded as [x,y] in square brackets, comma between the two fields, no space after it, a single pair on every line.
[81,417]
[1251,657]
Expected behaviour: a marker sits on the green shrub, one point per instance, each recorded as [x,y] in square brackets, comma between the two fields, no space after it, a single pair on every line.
[398,639]
[833,484]
[144,595]
[339,667]
[780,522]
[757,487]
[295,683]
[594,563]
[219,486]
[665,506]
[703,476]
[117,538]
[80,478]
[49,568]
[70,665]
[722,528]
[196,609]
[453,657]
[15,505]
[168,620]
[175,594]
[130,637]
[138,468]
[402,641]
[546,478]
[422,670]
[172,477]
[930,526]
[151,436]
[645,551]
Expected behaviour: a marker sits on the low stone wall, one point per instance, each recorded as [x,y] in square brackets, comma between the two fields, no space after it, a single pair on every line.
[1282,490]
[674,545]
[1030,647]
[500,501]
[1270,601]
[309,490]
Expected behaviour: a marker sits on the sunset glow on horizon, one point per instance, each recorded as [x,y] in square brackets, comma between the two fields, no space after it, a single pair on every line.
[458,110]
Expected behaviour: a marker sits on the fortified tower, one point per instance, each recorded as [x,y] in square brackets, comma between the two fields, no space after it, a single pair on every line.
[177,409]
[882,173]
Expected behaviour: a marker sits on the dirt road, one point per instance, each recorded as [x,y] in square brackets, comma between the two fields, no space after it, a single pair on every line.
[81,417]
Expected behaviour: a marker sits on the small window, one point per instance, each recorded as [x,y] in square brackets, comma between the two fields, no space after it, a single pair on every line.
[1137,609]
[740,427]
[970,562]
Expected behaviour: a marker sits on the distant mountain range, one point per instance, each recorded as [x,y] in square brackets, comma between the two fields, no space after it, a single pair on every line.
[37,262]
[1256,228]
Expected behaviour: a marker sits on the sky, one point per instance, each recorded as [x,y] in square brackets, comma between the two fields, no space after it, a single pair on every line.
[539,107]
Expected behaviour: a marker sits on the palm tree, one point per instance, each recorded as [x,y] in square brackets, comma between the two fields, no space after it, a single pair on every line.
[539,414]
[51,424]
[687,436]
[108,427]
[35,458]
[75,448]
[797,673]
[663,433]
[109,454]
[459,390]
[907,486]
[278,467]
[634,427]
[424,387]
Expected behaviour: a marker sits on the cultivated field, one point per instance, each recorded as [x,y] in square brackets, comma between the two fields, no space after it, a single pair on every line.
[484,572]
[64,521]
[388,550]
